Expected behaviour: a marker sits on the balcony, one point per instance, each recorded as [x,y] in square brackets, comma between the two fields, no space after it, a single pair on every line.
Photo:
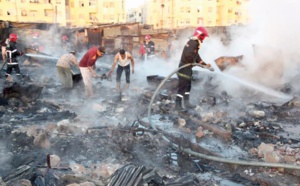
[34,1]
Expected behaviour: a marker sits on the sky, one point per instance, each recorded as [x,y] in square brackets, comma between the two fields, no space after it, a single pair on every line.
[133,3]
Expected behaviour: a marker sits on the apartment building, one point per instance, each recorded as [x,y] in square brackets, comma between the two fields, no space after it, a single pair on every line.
[97,11]
[64,12]
[135,15]
[164,14]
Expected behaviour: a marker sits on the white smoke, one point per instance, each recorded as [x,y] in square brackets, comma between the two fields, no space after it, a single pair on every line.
[273,29]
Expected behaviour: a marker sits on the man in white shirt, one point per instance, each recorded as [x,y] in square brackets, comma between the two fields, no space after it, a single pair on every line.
[123,58]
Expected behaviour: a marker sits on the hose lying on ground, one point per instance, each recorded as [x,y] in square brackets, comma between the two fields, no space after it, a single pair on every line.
[204,156]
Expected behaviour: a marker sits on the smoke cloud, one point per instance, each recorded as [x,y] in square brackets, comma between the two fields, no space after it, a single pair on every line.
[269,45]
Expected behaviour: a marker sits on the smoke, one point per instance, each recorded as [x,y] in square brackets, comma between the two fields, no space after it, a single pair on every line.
[269,44]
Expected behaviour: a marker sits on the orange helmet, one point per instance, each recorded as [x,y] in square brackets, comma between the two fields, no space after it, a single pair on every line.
[13,37]
[200,33]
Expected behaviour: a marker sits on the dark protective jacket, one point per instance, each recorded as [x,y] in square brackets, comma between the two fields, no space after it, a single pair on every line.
[12,53]
[150,48]
[189,55]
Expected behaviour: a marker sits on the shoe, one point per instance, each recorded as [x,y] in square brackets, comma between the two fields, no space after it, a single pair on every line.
[189,105]
[179,107]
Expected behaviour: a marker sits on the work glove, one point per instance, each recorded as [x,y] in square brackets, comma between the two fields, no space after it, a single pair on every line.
[209,67]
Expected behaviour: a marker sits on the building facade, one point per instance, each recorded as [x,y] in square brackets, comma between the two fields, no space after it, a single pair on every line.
[172,14]
[64,12]
[136,15]
[162,14]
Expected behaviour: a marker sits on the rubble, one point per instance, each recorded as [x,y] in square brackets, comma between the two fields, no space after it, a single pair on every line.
[53,136]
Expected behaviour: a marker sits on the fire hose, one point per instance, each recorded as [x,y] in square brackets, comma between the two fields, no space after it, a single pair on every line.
[204,156]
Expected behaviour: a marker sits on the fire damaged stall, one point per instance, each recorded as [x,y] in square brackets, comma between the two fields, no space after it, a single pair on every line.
[240,132]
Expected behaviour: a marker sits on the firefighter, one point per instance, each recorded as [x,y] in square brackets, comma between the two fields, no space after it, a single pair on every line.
[189,55]
[65,42]
[12,53]
[35,41]
[147,49]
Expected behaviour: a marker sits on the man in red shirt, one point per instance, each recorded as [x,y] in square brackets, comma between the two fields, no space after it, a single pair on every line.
[86,65]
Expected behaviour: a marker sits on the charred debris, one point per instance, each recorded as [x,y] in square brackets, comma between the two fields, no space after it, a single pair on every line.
[51,136]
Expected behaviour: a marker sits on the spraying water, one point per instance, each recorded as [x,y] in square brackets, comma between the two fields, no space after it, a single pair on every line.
[41,56]
[261,88]
[256,86]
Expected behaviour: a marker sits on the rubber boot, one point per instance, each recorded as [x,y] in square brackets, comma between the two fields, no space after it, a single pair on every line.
[179,105]
[187,102]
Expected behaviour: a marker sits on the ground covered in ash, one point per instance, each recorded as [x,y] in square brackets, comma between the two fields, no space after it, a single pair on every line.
[52,136]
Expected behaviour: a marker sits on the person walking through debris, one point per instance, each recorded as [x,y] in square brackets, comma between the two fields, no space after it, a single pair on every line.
[86,66]
[11,60]
[124,64]
[4,44]
[147,49]
[189,55]
[64,69]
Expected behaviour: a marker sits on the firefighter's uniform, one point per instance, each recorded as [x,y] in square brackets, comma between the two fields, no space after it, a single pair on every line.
[189,55]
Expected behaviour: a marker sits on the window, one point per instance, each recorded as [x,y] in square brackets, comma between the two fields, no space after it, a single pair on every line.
[105,4]
[230,10]
[182,9]
[92,3]
[32,13]
[188,9]
[48,13]
[23,1]
[210,9]
[1,12]
[23,12]
[238,13]
[81,3]
[58,1]
[238,2]
[11,12]
[93,17]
